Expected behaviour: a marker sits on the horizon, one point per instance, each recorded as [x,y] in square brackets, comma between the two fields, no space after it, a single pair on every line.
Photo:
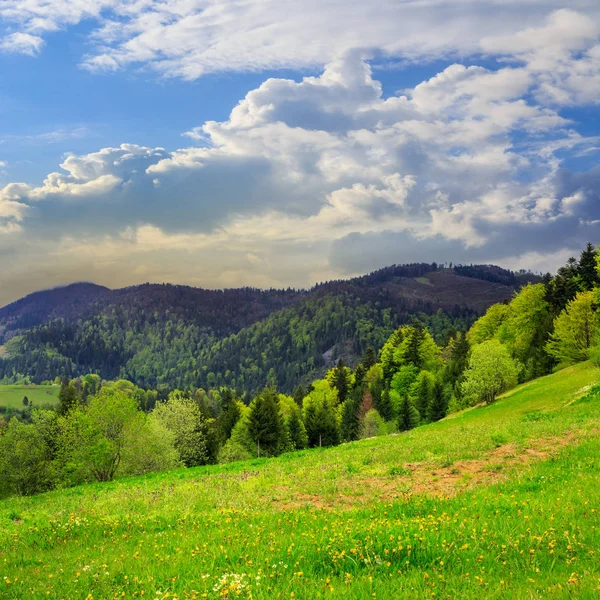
[223,145]
[299,290]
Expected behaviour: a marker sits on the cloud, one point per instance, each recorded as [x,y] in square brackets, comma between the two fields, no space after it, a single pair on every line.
[22,43]
[320,177]
[193,37]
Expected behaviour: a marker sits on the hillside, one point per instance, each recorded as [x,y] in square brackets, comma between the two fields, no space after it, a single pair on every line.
[495,502]
[182,336]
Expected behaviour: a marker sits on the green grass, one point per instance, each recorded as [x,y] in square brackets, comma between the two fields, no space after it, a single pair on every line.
[346,522]
[424,281]
[11,396]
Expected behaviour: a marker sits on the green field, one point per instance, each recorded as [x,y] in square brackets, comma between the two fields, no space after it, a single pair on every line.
[497,502]
[12,396]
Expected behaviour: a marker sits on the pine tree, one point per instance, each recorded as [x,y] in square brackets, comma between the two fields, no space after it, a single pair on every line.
[230,415]
[299,395]
[587,270]
[329,434]
[369,358]
[340,381]
[423,391]
[67,398]
[349,426]
[297,431]
[384,406]
[438,405]
[359,375]
[312,425]
[408,415]
[265,425]
[412,356]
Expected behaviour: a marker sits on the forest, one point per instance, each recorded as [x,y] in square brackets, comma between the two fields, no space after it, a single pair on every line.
[419,373]
[170,337]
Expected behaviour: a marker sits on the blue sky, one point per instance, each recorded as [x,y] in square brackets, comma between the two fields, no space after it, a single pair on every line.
[270,143]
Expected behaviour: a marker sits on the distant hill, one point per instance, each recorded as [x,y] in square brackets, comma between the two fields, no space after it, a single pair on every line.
[182,336]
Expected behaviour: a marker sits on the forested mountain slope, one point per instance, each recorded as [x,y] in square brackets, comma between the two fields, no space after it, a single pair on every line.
[181,336]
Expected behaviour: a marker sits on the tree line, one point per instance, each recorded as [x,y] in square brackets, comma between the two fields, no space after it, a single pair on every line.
[106,429]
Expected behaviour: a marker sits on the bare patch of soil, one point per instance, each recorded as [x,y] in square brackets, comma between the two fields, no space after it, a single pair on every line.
[429,478]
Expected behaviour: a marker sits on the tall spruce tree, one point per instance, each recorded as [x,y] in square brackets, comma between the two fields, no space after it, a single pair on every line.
[408,415]
[312,425]
[384,406]
[438,404]
[297,431]
[329,434]
[349,426]
[265,425]
[341,381]
[369,358]
[587,271]
[412,355]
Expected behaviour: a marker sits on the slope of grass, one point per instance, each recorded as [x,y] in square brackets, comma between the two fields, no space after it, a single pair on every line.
[412,515]
[12,396]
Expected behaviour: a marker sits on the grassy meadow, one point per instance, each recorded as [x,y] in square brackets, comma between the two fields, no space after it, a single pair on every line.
[497,502]
[12,396]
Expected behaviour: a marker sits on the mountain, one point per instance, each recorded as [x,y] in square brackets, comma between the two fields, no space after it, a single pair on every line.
[180,336]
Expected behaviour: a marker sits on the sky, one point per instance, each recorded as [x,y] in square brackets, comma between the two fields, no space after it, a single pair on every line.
[276,143]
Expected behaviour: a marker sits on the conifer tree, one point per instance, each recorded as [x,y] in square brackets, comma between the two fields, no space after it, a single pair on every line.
[422,392]
[369,358]
[349,425]
[265,425]
[299,395]
[384,406]
[438,404]
[408,415]
[297,431]
[340,381]
[312,425]
[329,434]
[412,356]
[587,270]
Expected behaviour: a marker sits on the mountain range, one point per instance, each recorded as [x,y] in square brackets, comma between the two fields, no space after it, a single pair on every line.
[179,336]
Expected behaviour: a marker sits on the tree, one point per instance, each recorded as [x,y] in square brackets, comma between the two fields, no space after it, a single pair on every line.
[67,398]
[369,358]
[421,391]
[527,328]
[320,419]
[408,415]
[25,466]
[25,401]
[151,449]
[265,424]
[297,431]
[412,353]
[486,327]
[372,425]
[384,406]
[191,431]
[229,416]
[491,371]
[350,423]
[329,434]
[340,379]
[299,395]
[438,403]
[575,330]
[94,438]
[589,278]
